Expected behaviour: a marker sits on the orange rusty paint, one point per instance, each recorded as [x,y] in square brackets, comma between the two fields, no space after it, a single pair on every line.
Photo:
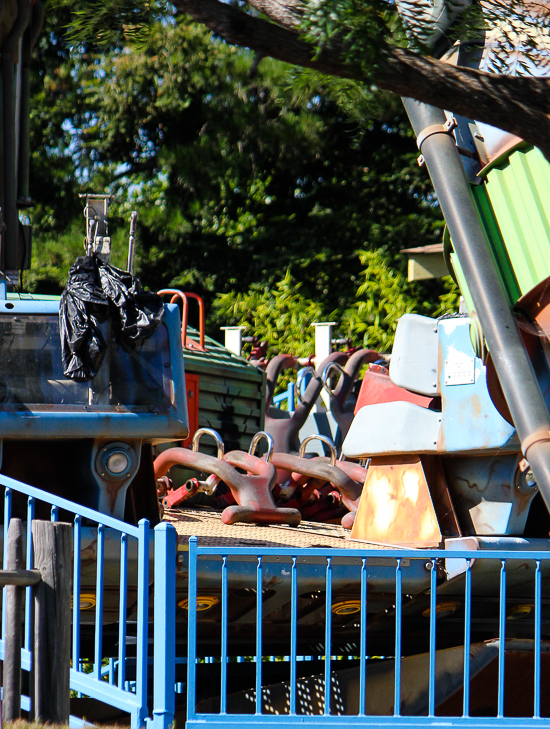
[396,506]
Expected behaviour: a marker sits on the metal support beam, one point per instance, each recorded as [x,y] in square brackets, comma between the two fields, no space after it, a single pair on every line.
[515,371]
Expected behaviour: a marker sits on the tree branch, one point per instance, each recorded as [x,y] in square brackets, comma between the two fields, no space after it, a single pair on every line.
[518,104]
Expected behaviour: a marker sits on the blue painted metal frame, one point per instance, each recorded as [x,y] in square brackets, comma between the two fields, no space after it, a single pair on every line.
[75,423]
[291,557]
[97,684]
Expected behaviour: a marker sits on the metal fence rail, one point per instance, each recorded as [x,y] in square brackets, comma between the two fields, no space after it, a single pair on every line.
[525,568]
[111,560]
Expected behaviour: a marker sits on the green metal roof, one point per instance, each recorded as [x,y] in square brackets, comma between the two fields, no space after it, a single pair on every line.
[12,296]
[231,392]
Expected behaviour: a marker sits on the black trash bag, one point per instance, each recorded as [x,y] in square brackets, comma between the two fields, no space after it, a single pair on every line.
[94,293]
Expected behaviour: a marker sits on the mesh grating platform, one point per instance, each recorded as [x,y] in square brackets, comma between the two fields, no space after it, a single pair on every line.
[210,531]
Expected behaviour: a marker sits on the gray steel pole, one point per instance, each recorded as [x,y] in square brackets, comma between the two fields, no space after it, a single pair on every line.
[513,366]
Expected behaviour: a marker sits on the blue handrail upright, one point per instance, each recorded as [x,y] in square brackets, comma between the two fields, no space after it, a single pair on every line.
[164,660]
[100,684]
[322,702]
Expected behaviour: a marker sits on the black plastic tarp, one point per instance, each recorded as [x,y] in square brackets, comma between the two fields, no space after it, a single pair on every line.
[96,292]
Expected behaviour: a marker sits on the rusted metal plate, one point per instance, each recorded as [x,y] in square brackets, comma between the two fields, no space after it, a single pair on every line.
[192,387]
[441,497]
[396,506]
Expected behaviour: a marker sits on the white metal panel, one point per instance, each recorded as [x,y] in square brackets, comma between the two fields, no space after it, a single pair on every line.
[392,427]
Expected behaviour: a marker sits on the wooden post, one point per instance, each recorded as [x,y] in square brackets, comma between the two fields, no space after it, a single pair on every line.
[52,542]
[11,704]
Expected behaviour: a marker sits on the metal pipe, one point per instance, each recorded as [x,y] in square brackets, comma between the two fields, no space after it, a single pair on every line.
[513,366]
[132,241]
[12,255]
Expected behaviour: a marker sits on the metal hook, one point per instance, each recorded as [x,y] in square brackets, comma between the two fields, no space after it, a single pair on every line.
[324,376]
[256,439]
[323,439]
[213,434]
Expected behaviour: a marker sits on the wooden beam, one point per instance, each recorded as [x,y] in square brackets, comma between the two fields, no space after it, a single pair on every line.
[11,703]
[52,543]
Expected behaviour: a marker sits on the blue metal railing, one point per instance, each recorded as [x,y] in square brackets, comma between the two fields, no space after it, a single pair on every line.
[100,541]
[522,568]
[289,395]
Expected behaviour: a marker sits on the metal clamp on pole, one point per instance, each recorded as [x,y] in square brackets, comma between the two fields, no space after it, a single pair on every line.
[530,440]
[429,131]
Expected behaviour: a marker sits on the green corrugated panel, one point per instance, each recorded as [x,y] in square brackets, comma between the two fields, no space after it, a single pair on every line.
[461,281]
[496,242]
[231,393]
[519,191]
[514,206]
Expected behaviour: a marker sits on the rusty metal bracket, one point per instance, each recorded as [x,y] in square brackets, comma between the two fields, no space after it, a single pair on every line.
[314,467]
[252,492]
[429,131]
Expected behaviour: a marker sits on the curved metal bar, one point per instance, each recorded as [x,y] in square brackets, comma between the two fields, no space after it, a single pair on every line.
[202,320]
[340,394]
[213,434]
[177,294]
[256,439]
[324,439]
[326,371]
[350,468]
[198,461]
[274,368]
[352,369]
[314,468]
[285,431]
[184,297]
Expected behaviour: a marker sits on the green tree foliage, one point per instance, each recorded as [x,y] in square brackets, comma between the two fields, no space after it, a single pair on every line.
[281,316]
[57,105]
[237,179]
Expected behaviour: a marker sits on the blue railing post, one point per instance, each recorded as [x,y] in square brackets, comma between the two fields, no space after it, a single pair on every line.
[291,397]
[164,660]
[192,628]
[142,624]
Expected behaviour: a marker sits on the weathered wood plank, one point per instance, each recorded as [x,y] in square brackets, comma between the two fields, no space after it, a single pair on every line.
[11,704]
[19,578]
[52,542]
